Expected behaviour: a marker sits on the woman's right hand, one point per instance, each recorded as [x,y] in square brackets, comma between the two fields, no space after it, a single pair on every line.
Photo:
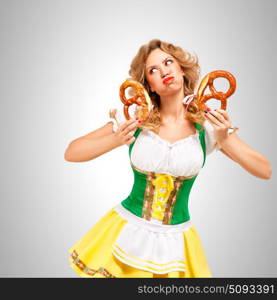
[125,132]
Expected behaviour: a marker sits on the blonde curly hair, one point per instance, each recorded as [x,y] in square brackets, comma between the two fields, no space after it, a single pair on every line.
[188,63]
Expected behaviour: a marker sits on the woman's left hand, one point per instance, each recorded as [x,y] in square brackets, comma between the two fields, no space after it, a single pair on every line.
[221,122]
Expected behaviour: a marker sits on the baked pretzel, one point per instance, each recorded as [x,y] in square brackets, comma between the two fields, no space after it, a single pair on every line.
[141,98]
[208,81]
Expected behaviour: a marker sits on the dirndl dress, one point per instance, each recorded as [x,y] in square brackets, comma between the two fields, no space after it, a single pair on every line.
[150,233]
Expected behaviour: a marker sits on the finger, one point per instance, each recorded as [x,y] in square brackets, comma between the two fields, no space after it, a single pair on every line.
[224,113]
[215,126]
[208,120]
[213,119]
[127,123]
[131,127]
[132,132]
[219,117]
[131,140]
[127,138]
[134,125]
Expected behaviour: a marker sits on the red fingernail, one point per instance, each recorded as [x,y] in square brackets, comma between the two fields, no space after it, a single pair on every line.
[208,109]
[140,121]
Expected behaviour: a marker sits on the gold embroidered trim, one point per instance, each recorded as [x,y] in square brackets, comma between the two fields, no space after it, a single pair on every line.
[77,261]
[171,202]
[148,197]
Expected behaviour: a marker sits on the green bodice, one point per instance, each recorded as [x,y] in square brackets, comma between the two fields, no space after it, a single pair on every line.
[142,196]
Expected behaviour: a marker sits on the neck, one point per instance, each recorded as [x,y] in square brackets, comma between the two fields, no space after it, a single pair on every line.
[172,108]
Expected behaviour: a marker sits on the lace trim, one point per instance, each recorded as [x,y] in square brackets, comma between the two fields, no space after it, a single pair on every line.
[82,266]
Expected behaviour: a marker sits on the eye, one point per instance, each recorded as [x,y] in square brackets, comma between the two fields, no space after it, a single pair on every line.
[151,71]
[169,60]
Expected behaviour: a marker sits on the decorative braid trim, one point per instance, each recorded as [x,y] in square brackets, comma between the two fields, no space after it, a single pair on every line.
[148,197]
[77,261]
[171,202]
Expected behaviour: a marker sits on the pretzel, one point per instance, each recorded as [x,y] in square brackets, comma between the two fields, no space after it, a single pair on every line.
[208,81]
[141,98]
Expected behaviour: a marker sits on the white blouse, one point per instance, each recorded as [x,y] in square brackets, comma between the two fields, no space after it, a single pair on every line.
[184,157]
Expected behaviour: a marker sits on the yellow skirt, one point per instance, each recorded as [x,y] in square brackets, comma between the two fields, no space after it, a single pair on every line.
[92,255]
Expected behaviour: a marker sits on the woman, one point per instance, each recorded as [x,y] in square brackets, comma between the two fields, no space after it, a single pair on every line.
[149,234]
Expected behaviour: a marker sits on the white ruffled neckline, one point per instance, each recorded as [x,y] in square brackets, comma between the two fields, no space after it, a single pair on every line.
[155,135]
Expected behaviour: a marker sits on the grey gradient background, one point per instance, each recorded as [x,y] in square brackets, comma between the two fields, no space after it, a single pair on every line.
[62,63]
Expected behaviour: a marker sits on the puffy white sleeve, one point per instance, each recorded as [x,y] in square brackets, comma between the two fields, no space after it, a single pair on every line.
[210,140]
[117,117]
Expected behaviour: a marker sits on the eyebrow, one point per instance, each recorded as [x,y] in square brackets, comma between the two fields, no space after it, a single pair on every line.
[162,61]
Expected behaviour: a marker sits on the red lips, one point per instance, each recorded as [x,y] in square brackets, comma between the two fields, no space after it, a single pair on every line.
[166,80]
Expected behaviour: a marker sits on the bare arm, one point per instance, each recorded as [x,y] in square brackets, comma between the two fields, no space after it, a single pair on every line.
[85,149]
[100,141]
[233,147]
[249,159]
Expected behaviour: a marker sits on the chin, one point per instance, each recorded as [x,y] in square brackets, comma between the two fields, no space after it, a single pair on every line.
[171,90]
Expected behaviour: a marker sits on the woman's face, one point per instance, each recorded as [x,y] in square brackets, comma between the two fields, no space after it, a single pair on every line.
[160,65]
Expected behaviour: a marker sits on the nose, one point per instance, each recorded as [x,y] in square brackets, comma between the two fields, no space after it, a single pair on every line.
[164,71]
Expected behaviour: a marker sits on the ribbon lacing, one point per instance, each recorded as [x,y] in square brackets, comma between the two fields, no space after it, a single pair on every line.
[186,101]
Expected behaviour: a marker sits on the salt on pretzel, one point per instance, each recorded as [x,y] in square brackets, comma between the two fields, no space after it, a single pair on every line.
[208,80]
[140,97]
